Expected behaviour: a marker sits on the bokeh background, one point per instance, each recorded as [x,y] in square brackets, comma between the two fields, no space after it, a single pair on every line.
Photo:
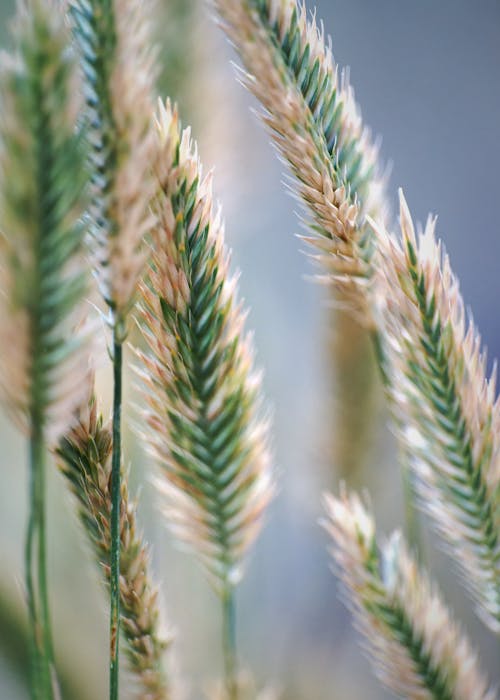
[426,75]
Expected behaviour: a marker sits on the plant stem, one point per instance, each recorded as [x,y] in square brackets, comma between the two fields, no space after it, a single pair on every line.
[42,568]
[41,635]
[115,515]
[34,637]
[229,642]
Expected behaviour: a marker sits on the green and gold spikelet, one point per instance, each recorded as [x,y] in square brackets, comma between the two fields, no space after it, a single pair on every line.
[449,415]
[202,392]
[416,648]
[315,122]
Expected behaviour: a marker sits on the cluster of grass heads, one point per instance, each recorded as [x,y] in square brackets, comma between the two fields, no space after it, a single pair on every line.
[443,406]
[97,182]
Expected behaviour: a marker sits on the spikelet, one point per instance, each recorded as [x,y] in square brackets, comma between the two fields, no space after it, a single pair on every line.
[84,456]
[448,416]
[119,71]
[416,648]
[317,127]
[43,278]
[198,380]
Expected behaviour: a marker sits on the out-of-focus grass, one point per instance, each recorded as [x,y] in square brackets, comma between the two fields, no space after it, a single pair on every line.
[6,12]
[14,650]
[356,397]
[292,627]
[175,38]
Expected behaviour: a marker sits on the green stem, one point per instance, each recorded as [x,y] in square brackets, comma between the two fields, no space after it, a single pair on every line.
[115,515]
[42,568]
[34,637]
[229,642]
[412,526]
[41,635]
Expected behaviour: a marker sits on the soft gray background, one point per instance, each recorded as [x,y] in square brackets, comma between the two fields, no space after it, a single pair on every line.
[426,75]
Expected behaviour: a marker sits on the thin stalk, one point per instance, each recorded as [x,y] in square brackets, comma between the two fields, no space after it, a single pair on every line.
[34,637]
[115,515]
[42,566]
[229,642]
[41,644]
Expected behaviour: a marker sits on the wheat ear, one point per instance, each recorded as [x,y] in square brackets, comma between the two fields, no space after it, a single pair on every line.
[119,71]
[449,414]
[44,362]
[201,390]
[416,648]
[84,456]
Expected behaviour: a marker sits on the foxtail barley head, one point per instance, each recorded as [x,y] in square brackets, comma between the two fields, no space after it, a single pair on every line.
[416,648]
[202,392]
[447,413]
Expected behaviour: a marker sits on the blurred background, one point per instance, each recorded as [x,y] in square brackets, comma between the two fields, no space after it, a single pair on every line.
[426,75]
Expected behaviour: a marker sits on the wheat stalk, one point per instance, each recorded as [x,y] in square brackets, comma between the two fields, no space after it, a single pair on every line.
[417,649]
[84,456]
[119,69]
[449,415]
[44,362]
[197,377]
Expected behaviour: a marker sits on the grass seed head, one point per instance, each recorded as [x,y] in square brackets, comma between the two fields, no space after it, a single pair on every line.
[203,412]
[416,648]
